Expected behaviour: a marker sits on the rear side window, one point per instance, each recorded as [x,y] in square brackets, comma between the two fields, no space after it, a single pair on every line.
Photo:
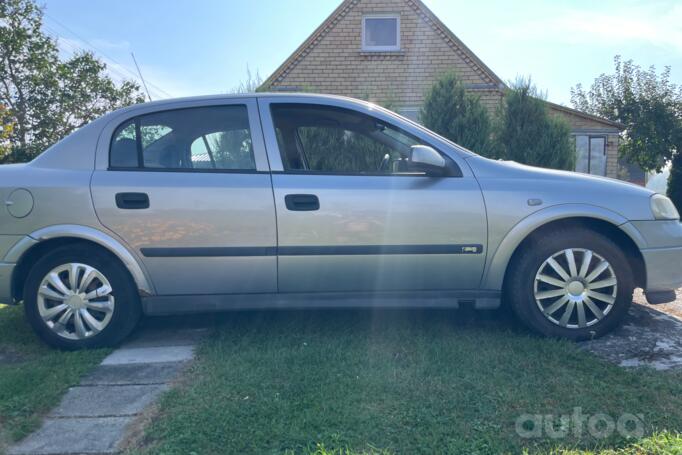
[204,138]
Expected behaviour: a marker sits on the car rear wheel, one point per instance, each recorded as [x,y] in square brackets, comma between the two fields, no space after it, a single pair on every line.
[574,284]
[81,297]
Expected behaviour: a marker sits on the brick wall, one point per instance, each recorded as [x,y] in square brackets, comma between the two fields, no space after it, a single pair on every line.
[588,126]
[336,64]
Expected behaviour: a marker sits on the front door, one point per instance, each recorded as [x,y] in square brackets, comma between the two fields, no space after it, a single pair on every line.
[353,216]
[189,191]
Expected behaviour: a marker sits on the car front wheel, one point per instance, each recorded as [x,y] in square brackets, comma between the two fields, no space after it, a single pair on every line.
[574,284]
[80,297]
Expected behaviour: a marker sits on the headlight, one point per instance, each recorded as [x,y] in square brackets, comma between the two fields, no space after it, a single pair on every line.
[663,208]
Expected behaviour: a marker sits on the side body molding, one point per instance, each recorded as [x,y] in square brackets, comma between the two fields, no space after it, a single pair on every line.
[496,266]
[87,233]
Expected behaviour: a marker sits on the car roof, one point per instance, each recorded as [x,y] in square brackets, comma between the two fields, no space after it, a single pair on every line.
[170,102]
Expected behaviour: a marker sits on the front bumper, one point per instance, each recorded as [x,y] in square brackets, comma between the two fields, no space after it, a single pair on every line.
[662,254]
[6,283]
[663,268]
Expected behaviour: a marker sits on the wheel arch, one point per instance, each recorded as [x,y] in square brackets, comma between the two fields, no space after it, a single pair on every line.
[37,244]
[598,219]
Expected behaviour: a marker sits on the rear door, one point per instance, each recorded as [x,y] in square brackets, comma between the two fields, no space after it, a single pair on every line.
[189,190]
[352,215]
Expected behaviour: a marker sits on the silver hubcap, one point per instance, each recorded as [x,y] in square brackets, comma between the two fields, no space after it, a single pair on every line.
[75,301]
[575,288]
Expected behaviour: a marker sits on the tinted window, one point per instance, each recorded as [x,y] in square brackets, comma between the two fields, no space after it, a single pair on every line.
[317,138]
[216,137]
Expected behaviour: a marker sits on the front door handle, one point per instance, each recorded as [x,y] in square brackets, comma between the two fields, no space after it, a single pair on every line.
[302,202]
[132,201]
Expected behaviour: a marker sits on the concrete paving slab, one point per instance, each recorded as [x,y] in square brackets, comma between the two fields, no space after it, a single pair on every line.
[74,436]
[134,374]
[164,354]
[648,337]
[107,401]
[167,336]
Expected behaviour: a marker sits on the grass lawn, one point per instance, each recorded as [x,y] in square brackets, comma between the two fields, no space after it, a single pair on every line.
[356,382]
[33,377]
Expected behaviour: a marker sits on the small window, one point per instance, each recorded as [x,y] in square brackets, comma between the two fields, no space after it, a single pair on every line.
[381,33]
[325,139]
[215,137]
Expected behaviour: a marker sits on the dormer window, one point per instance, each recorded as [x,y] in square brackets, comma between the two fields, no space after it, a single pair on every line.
[381,33]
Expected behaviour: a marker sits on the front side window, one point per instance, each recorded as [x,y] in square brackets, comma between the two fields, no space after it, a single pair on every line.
[204,138]
[590,154]
[381,33]
[325,139]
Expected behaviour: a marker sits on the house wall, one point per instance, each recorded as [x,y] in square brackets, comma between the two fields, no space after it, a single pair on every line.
[581,125]
[336,64]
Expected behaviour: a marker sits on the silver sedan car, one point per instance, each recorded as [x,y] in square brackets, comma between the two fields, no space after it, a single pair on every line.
[288,200]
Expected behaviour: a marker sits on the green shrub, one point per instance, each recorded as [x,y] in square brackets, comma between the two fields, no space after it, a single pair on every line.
[456,114]
[526,133]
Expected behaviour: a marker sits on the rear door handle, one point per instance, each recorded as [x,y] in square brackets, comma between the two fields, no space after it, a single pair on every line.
[132,201]
[302,202]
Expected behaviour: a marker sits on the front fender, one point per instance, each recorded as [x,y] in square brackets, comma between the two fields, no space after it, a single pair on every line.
[86,233]
[497,262]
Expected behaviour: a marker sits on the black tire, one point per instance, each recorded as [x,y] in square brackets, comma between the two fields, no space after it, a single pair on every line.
[127,309]
[520,281]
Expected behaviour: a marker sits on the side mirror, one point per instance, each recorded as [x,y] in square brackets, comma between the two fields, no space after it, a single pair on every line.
[426,159]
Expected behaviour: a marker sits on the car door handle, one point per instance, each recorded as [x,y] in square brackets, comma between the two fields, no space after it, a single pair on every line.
[302,202]
[132,201]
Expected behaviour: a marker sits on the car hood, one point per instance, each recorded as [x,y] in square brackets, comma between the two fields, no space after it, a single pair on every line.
[562,187]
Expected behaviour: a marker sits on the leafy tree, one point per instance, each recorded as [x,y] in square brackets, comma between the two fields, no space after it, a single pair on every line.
[5,132]
[456,114]
[650,107]
[675,180]
[526,132]
[47,98]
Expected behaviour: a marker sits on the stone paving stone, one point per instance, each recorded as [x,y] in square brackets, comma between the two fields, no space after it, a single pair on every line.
[107,401]
[159,337]
[150,355]
[74,436]
[134,374]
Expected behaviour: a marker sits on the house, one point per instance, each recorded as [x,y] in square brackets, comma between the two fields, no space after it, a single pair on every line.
[392,51]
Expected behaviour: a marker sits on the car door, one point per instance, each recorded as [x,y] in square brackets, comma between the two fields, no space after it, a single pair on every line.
[353,216]
[188,189]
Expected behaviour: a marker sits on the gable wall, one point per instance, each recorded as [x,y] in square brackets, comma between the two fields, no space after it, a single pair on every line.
[337,65]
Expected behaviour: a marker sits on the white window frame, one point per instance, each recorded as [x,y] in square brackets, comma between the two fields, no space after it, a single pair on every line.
[367,48]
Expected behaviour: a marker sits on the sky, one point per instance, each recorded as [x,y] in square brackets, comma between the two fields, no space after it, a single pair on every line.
[198,47]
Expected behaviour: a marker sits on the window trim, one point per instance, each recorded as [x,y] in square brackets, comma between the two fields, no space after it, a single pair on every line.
[135,120]
[367,48]
[453,168]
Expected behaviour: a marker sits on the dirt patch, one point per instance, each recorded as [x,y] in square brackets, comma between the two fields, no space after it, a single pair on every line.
[9,356]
